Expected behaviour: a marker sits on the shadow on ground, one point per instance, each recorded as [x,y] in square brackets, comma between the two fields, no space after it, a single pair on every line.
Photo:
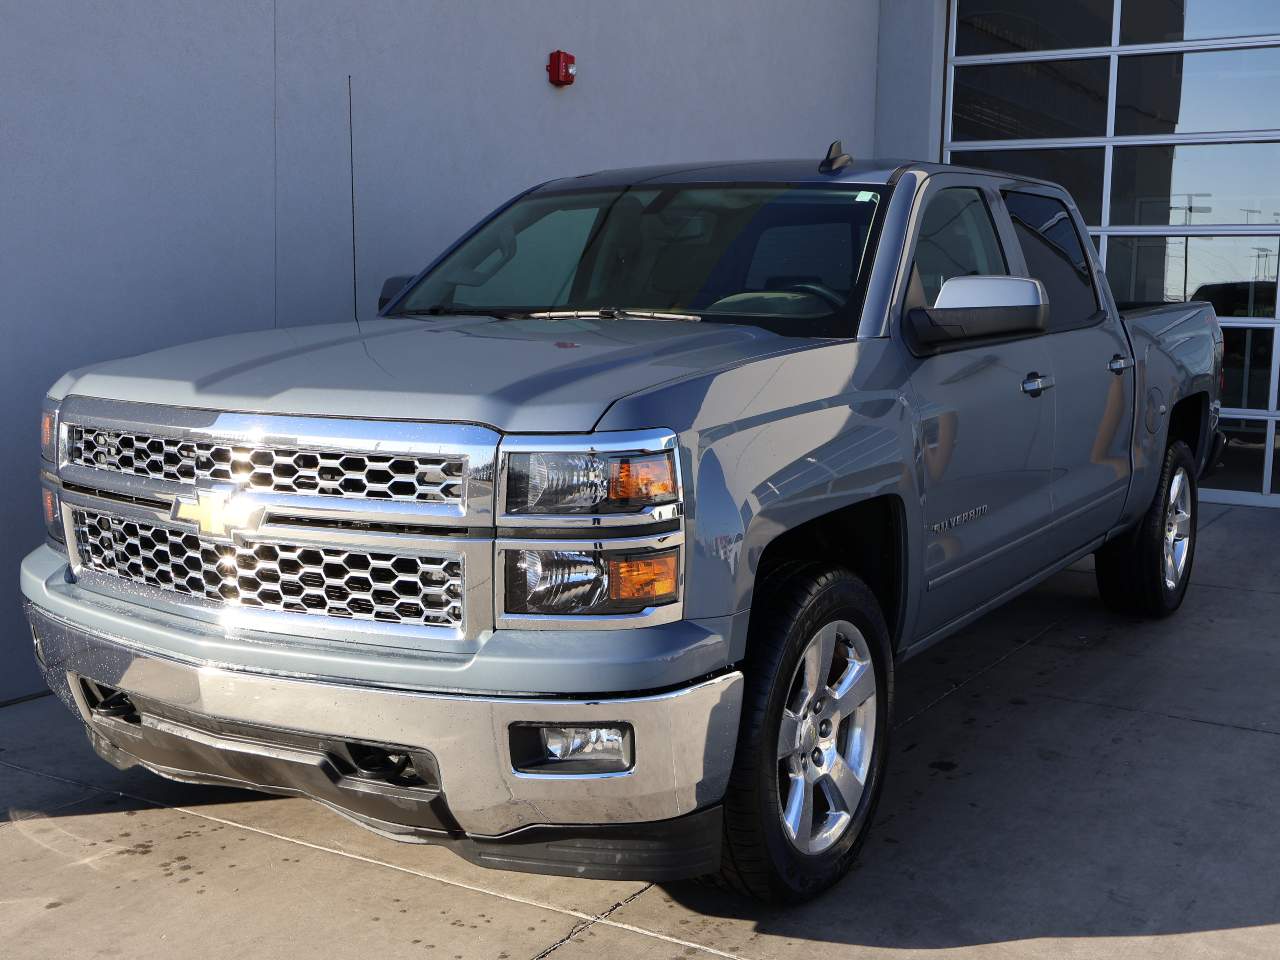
[180,795]
[1102,777]
[1057,774]
[56,772]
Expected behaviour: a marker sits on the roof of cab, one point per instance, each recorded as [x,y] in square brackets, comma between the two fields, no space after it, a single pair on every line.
[866,171]
[738,171]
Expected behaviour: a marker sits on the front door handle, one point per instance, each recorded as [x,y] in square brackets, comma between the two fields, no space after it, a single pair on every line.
[1119,364]
[1035,384]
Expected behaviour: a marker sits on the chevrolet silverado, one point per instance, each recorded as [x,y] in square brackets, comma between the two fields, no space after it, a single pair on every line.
[595,551]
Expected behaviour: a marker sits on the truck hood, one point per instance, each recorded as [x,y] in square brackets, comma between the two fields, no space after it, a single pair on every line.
[531,376]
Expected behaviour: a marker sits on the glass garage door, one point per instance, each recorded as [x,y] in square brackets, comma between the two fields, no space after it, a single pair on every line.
[1162,117]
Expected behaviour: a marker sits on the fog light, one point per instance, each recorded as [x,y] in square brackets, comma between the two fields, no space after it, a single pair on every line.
[571,749]
[570,743]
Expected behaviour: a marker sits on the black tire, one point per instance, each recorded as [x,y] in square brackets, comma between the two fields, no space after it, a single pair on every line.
[791,607]
[1130,570]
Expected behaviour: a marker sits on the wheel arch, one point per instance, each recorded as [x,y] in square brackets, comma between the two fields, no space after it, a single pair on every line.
[1189,422]
[868,537]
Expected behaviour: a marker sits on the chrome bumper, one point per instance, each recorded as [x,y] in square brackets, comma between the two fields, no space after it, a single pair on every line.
[683,739]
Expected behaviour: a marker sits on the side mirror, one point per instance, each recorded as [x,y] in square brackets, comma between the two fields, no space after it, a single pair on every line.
[971,308]
[390,288]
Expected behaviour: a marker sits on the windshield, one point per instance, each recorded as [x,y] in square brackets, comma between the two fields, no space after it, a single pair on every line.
[785,256]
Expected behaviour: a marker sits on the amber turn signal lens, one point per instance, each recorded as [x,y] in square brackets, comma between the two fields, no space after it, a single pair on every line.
[47,434]
[52,514]
[651,578]
[645,479]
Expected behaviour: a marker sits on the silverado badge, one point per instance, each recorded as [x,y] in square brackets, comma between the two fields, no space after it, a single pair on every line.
[951,523]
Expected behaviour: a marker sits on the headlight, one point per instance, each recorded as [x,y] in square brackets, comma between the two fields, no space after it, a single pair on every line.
[590,582]
[578,483]
[49,432]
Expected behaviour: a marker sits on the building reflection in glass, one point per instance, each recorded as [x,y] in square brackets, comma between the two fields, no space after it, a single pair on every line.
[1243,459]
[1225,89]
[1205,91]
[1196,183]
[1027,100]
[1236,274]
[1246,367]
[1078,170]
[1010,26]
[1168,21]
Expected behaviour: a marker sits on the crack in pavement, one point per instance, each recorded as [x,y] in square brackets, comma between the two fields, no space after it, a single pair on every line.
[577,929]
[1212,520]
[25,698]
[1160,713]
[1234,586]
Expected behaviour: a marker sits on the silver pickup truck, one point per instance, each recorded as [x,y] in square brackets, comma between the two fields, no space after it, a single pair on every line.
[595,551]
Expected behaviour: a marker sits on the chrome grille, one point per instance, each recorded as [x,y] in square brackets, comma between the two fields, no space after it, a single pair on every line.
[352,584]
[422,479]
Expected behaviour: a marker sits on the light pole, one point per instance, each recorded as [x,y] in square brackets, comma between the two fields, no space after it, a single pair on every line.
[1190,206]
[1261,257]
[1188,209]
[1261,261]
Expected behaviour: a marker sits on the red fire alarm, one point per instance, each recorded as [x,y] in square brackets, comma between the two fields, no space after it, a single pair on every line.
[561,68]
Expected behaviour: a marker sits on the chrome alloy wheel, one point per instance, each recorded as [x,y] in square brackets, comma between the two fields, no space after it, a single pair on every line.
[826,737]
[1177,529]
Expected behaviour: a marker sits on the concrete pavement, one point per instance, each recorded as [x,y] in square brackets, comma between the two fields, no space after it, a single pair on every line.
[1064,783]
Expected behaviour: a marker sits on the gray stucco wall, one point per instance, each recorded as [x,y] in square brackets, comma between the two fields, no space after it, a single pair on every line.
[911,79]
[179,170]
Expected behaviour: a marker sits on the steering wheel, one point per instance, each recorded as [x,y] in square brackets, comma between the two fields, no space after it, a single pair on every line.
[820,290]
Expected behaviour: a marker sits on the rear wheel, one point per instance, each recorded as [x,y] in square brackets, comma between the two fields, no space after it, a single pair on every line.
[813,737]
[1146,571]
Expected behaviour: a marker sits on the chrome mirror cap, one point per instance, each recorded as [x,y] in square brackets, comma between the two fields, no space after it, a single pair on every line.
[976,308]
[981,292]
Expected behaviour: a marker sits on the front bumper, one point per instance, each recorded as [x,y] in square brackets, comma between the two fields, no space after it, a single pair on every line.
[208,723]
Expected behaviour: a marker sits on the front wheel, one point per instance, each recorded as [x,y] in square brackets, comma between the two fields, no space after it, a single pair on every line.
[813,739]
[1146,571]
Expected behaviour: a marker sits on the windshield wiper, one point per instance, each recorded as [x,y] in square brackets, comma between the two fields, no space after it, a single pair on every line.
[600,313]
[614,313]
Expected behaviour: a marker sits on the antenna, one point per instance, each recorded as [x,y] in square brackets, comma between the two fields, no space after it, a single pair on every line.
[836,159]
[351,163]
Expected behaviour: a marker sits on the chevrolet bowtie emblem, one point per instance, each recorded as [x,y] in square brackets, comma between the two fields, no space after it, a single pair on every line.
[217,511]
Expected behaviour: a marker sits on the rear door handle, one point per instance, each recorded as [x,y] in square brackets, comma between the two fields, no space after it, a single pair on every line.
[1035,384]
[1119,364]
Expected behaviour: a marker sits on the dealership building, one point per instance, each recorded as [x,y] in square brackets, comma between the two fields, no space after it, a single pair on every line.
[1162,117]
[185,170]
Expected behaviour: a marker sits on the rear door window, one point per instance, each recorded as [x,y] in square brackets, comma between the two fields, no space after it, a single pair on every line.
[1055,256]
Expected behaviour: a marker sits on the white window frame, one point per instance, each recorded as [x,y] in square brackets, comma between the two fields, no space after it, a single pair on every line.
[1102,231]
